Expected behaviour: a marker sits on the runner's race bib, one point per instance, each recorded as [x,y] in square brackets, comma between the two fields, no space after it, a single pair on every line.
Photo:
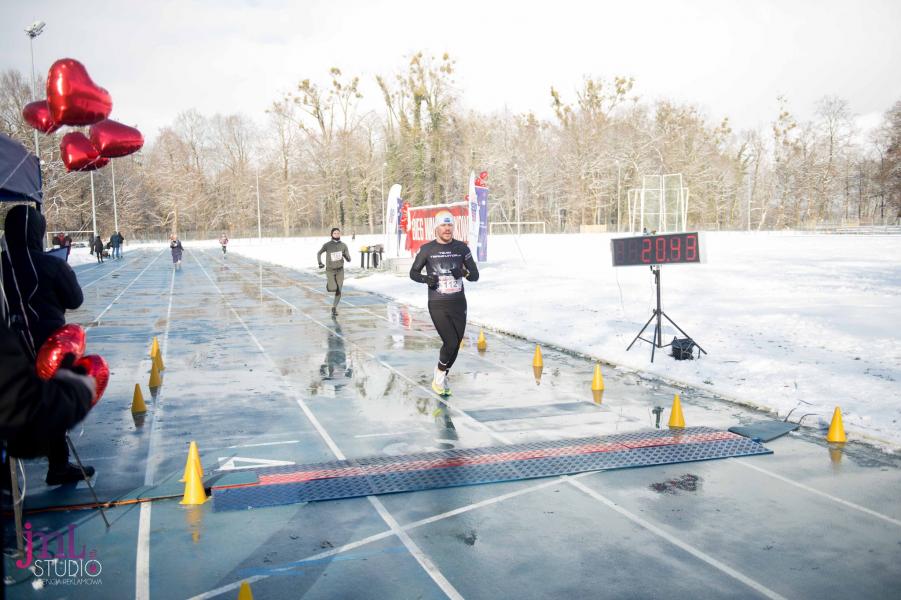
[335,256]
[448,284]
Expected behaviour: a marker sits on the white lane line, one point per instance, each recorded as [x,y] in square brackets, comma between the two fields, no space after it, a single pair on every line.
[265,444]
[759,587]
[807,488]
[421,557]
[142,555]
[386,534]
[389,434]
[116,299]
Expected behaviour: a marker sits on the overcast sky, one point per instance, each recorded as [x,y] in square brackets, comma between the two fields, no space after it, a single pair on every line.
[730,57]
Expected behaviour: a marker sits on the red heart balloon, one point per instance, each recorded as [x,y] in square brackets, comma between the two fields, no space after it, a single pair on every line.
[73,98]
[115,139]
[68,339]
[97,368]
[79,154]
[37,114]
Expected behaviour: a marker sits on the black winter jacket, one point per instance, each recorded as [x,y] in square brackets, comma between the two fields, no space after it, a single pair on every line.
[39,287]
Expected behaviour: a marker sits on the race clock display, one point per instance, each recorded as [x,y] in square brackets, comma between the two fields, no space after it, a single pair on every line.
[664,249]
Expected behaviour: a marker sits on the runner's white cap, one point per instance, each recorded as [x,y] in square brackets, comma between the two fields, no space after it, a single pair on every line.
[444,217]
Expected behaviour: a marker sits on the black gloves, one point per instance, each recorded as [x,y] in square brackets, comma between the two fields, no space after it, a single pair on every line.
[321,266]
[458,272]
[431,281]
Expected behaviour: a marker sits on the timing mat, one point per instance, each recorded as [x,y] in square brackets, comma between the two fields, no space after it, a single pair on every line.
[451,468]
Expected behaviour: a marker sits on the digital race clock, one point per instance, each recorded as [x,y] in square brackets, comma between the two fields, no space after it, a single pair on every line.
[664,249]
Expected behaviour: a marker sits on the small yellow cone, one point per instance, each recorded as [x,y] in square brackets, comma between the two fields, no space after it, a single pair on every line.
[676,420]
[537,361]
[137,401]
[597,382]
[158,361]
[244,593]
[597,396]
[836,428]
[194,492]
[154,347]
[482,343]
[155,380]
[537,372]
[193,462]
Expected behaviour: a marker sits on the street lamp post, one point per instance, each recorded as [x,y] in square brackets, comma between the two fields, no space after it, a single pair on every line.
[259,214]
[516,200]
[32,32]
[382,192]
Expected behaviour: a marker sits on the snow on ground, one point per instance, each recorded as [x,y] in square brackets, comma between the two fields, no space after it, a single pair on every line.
[785,318]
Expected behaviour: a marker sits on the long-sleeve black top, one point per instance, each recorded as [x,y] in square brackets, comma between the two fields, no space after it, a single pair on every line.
[443,261]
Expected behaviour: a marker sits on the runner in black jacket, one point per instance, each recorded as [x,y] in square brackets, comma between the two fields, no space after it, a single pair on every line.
[447,262]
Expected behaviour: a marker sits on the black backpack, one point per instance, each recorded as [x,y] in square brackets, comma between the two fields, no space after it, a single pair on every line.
[683,349]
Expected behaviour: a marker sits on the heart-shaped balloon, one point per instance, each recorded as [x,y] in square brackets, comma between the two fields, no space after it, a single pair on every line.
[79,154]
[96,367]
[73,98]
[114,139]
[37,114]
[67,340]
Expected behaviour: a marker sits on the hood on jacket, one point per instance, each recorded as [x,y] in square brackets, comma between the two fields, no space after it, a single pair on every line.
[25,226]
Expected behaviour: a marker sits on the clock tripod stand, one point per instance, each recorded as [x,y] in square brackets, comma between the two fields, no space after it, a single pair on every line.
[656,340]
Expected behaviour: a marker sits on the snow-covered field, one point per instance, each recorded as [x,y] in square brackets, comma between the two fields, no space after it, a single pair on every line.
[785,318]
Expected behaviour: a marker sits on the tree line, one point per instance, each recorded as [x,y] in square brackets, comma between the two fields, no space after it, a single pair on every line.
[318,159]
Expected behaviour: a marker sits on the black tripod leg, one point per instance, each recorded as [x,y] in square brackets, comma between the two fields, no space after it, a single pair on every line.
[683,332]
[642,331]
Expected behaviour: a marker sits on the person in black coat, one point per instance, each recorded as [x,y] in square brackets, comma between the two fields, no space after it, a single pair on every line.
[97,247]
[38,288]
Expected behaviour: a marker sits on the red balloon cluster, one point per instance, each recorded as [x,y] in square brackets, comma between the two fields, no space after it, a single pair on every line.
[65,341]
[74,99]
[66,346]
[482,179]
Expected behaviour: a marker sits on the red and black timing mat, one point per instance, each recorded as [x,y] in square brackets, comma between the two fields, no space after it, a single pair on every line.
[451,468]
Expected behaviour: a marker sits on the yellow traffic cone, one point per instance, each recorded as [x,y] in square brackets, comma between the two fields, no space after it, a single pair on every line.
[597,396]
[597,382]
[193,462]
[836,428]
[482,343]
[154,347]
[194,492]
[244,593]
[676,420]
[137,401]
[158,361]
[537,360]
[537,372]
[155,380]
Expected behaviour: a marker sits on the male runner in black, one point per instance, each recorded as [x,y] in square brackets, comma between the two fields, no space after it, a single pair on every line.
[446,261]
[336,253]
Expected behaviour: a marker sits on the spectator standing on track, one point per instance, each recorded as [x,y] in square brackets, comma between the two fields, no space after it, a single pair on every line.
[116,240]
[176,248]
[336,253]
[97,247]
[38,289]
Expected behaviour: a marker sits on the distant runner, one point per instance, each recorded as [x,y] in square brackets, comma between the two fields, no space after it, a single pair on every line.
[336,253]
[223,241]
[447,262]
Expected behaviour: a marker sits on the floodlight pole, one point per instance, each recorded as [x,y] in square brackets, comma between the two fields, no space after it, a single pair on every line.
[115,214]
[93,208]
[259,214]
[32,32]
